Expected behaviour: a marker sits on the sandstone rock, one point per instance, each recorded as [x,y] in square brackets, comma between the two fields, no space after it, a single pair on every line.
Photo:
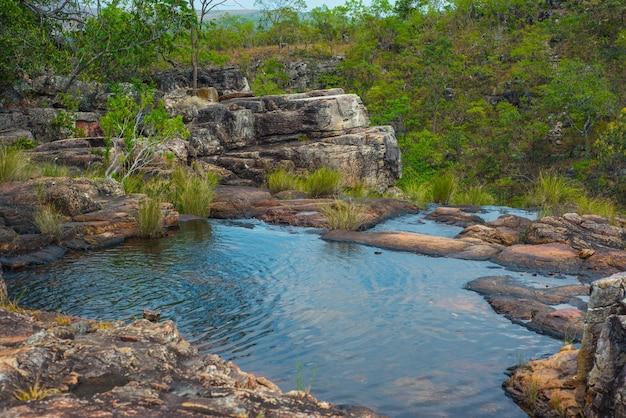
[98,215]
[82,153]
[240,202]
[580,232]
[419,243]
[507,286]
[506,230]
[209,94]
[139,369]
[226,80]
[547,387]
[12,136]
[454,216]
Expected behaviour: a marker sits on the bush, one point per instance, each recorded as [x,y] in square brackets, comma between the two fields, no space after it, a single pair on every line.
[342,215]
[49,221]
[554,195]
[193,192]
[322,182]
[281,180]
[474,196]
[443,188]
[53,170]
[13,164]
[149,218]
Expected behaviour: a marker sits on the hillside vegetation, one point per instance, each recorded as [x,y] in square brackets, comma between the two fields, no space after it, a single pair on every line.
[490,92]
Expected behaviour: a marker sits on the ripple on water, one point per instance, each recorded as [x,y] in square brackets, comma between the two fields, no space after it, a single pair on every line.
[393,331]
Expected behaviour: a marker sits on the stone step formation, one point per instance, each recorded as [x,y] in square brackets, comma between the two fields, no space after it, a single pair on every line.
[243,136]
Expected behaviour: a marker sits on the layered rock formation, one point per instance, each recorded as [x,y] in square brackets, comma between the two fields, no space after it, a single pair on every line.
[588,382]
[96,214]
[57,366]
[243,136]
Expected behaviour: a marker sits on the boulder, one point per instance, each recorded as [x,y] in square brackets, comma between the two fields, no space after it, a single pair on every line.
[88,368]
[506,230]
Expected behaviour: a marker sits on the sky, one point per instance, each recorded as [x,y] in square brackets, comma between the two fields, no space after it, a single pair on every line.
[249,4]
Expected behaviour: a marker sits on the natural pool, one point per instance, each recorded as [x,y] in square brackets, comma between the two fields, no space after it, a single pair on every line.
[392,331]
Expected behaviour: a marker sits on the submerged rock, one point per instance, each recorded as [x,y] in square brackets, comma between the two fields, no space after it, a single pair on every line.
[86,368]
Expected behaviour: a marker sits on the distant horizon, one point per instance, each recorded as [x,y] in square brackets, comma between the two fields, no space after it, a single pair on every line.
[235,5]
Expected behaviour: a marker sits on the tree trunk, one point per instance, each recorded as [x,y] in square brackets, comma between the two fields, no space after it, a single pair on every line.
[194,58]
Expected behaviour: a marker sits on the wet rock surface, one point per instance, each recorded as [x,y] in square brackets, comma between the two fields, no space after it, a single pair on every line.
[84,368]
[531,307]
[95,213]
[454,216]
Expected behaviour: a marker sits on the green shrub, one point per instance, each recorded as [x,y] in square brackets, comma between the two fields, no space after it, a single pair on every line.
[322,182]
[149,218]
[554,195]
[358,190]
[443,188]
[344,215]
[281,180]
[133,184]
[49,221]
[53,170]
[474,196]
[193,192]
[13,164]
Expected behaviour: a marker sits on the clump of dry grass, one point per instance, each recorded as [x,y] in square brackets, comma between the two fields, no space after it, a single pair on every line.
[342,215]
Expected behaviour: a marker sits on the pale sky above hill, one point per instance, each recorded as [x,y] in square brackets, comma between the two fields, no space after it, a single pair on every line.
[249,4]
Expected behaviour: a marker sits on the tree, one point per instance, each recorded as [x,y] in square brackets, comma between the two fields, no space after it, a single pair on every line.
[135,127]
[581,94]
[280,16]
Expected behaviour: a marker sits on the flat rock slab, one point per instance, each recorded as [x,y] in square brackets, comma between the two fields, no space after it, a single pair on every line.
[419,243]
[454,216]
[141,369]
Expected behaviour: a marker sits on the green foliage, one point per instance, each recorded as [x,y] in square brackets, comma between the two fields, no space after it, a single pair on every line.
[342,215]
[281,180]
[150,218]
[193,193]
[270,78]
[53,170]
[49,221]
[322,182]
[418,193]
[13,164]
[473,196]
[443,188]
[554,194]
[596,206]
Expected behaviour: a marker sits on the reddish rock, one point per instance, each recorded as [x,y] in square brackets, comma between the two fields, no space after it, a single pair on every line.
[454,216]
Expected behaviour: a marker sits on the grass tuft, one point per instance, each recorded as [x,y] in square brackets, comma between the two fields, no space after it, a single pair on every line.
[281,180]
[554,195]
[14,164]
[49,221]
[443,188]
[343,215]
[149,218]
[53,170]
[322,182]
[194,192]
[33,392]
[474,196]
[596,206]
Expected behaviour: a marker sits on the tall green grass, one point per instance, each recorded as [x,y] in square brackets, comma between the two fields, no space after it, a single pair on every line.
[193,193]
[53,170]
[14,164]
[49,221]
[342,215]
[597,206]
[443,188]
[149,218]
[554,194]
[322,182]
[473,196]
[418,193]
[281,180]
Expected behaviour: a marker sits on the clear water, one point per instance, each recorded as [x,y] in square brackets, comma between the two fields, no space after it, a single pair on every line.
[393,331]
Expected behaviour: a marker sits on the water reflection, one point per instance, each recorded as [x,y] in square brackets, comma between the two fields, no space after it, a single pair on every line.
[393,331]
